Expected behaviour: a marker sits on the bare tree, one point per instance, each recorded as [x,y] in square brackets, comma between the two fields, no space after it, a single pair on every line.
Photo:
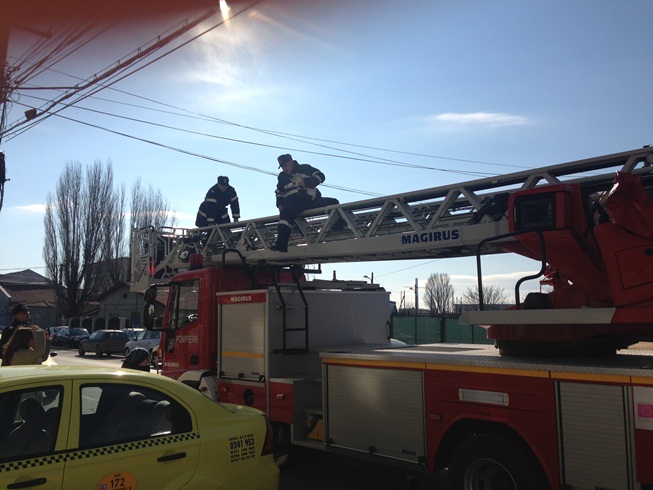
[149,208]
[117,253]
[79,221]
[438,294]
[492,296]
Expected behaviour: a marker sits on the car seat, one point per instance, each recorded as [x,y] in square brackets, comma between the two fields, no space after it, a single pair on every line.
[30,437]
[161,421]
[117,424]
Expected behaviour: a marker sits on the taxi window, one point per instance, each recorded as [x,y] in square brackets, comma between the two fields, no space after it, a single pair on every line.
[116,413]
[29,422]
[184,303]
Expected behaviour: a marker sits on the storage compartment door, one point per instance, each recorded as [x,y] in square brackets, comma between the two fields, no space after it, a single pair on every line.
[376,411]
[596,435]
[241,339]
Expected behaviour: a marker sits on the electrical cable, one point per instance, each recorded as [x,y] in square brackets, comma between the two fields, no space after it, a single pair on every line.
[364,160]
[207,157]
[269,132]
[116,71]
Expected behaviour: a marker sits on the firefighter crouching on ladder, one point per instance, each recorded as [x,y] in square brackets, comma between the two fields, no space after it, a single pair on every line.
[213,210]
[296,192]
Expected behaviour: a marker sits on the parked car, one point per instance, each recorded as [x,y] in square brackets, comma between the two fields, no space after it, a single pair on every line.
[87,427]
[147,339]
[53,333]
[104,342]
[69,337]
[132,333]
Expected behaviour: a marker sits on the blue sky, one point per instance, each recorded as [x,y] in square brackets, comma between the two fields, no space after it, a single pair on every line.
[512,84]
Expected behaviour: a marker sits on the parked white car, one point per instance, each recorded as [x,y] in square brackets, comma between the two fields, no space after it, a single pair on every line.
[147,339]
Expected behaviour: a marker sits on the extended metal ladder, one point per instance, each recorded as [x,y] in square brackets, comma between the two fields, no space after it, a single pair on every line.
[446,221]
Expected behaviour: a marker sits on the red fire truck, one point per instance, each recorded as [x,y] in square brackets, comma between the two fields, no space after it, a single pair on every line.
[562,404]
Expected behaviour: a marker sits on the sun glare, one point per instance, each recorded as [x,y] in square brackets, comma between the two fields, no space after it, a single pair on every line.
[225,10]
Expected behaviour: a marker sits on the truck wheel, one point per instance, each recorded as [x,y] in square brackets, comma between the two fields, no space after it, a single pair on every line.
[495,462]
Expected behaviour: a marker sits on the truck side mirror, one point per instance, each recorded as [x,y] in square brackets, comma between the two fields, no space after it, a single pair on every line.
[150,294]
[149,320]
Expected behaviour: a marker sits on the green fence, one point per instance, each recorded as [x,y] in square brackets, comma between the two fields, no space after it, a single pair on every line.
[431,330]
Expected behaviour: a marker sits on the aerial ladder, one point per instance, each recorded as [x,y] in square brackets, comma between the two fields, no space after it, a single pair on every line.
[439,222]
[550,214]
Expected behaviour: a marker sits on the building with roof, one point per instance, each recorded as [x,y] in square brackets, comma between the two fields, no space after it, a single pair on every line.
[32,289]
[117,307]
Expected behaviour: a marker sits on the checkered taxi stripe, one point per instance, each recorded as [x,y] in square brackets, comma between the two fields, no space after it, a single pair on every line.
[63,457]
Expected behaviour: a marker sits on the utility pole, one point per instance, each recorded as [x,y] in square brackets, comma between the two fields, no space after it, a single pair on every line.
[416,308]
[4,91]
[416,297]
[4,68]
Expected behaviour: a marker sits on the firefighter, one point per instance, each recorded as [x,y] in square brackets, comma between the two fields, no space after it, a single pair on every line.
[213,210]
[296,192]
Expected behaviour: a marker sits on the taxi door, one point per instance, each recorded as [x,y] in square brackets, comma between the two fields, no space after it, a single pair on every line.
[33,435]
[114,444]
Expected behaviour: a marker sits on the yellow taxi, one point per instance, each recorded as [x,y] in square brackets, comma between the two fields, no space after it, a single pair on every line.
[74,427]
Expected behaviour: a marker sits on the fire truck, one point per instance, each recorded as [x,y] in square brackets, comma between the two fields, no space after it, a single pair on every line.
[560,401]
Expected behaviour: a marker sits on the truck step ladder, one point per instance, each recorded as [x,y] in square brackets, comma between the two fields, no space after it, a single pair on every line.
[287,330]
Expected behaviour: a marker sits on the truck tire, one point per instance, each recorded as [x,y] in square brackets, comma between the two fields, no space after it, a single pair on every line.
[495,462]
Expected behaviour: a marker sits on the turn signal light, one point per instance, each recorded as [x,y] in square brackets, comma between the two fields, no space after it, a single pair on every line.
[196,262]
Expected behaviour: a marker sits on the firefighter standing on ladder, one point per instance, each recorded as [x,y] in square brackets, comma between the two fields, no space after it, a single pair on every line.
[213,210]
[296,192]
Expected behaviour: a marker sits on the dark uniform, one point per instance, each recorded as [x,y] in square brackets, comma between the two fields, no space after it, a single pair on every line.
[9,330]
[213,211]
[296,192]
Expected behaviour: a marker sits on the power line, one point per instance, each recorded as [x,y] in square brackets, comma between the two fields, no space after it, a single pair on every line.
[204,117]
[12,133]
[382,161]
[115,72]
[407,268]
[206,157]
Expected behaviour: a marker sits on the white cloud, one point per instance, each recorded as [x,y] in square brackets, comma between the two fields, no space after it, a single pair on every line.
[491,119]
[458,122]
[507,281]
[501,280]
[184,220]
[33,208]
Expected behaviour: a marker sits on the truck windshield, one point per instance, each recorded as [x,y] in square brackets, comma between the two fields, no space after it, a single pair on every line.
[183,303]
